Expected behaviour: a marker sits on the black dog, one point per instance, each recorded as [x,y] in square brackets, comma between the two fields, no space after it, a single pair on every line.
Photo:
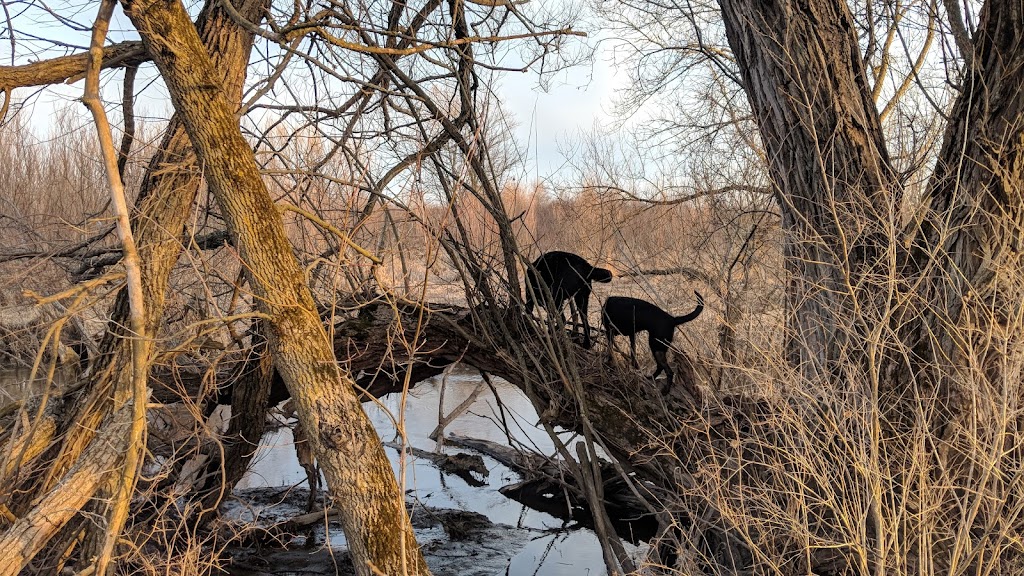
[561,276]
[627,316]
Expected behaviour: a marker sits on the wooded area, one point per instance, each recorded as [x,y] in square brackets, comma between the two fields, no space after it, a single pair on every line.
[333,213]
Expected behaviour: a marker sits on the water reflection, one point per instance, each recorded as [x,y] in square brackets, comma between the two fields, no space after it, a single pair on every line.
[550,552]
[553,553]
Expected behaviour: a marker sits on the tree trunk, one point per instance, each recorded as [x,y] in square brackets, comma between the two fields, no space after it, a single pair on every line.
[976,283]
[932,334]
[358,472]
[168,192]
[249,395]
[805,81]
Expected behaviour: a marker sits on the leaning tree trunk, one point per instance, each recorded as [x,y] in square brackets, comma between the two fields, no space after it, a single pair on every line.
[169,189]
[168,192]
[172,178]
[345,443]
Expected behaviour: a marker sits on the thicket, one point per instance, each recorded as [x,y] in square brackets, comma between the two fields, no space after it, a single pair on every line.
[852,401]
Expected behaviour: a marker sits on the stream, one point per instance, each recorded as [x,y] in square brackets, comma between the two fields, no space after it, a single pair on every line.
[522,541]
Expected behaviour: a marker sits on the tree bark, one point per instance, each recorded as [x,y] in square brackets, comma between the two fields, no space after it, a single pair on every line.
[162,210]
[931,334]
[840,202]
[975,196]
[55,70]
[358,472]
[806,84]
[32,531]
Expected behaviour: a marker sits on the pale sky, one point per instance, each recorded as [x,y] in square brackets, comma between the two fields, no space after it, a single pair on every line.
[578,99]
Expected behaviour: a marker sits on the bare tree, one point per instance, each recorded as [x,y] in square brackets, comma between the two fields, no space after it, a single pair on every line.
[897,389]
[91,439]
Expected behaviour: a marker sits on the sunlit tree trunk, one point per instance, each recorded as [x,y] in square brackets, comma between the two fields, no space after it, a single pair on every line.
[164,206]
[172,182]
[92,438]
[345,443]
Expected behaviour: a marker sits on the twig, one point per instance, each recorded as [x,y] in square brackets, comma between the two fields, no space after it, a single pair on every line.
[330,228]
[438,434]
[615,557]
[74,290]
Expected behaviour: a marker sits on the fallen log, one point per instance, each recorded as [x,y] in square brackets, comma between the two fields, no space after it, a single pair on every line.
[549,486]
[525,463]
[465,466]
[651,438]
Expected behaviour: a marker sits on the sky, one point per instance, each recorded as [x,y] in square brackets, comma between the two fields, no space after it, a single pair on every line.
[576,100]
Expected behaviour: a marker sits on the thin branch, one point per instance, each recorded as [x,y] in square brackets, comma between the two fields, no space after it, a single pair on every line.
[883,66]
[330,228]
[691,273]
[960,34]
[10,29]
[128,107]
[75,290]
[304,28]
[69,68]
[129,473]
[363,48]
[694,195]
[68,252]
[498,3]
[908,80]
